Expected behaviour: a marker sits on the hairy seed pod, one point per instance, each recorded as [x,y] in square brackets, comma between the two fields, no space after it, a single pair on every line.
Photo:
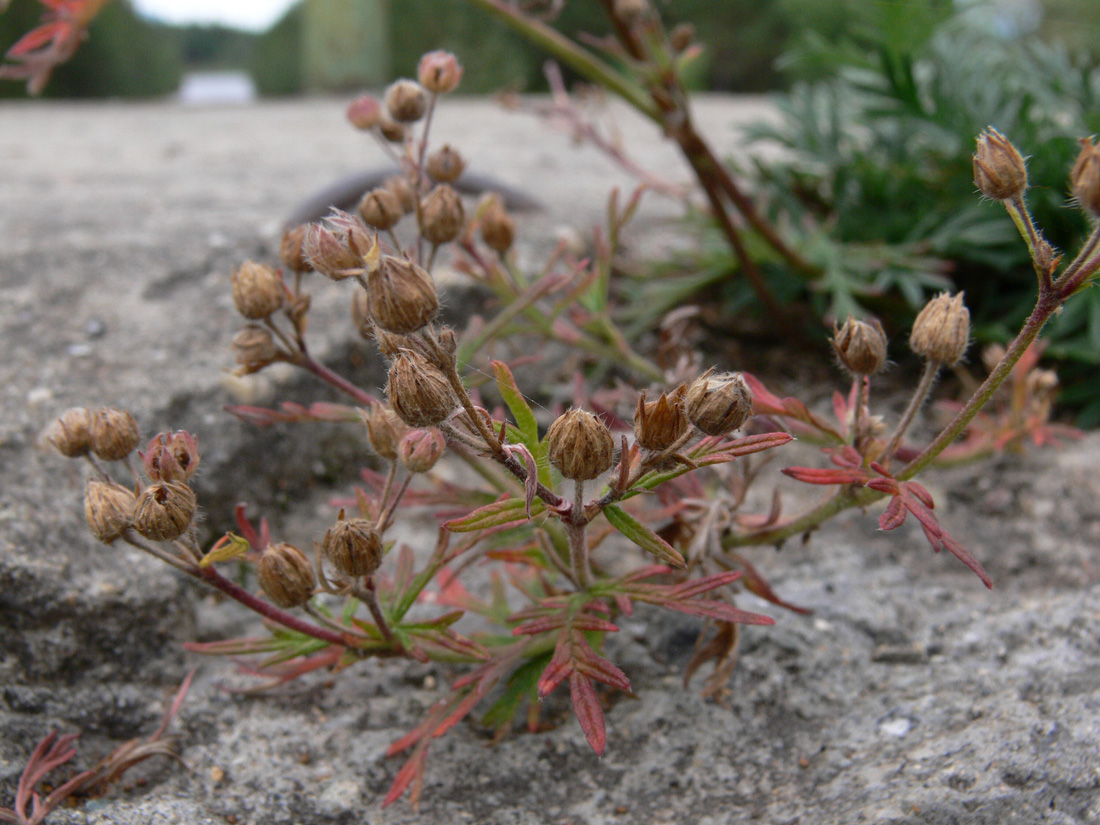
[391,130]
[254,348]
[71,433]
[445,164]
[660,424]
[579,445]
[286,575]
[165,510]
[418,392]
[328,253]
[360,313]
[439,72]
[406,101]
[401,187]
[171,457]
[718,403]
[999,169]
[381,209]
[442,215]
[108,509]
[860,346]
[941,331]
[257,290]
[365,112]
[419,450]
[384,430]
[1085,178]
[291,249]
[353,547]
[114,433]
[401,296]
[498,228]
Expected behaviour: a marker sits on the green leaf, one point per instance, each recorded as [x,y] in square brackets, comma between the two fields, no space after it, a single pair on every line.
[642,536]
[526,425]
[494,515]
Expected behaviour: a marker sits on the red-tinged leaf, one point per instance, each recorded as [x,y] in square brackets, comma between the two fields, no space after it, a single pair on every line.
[824,475]
[39,37]
[748,445]
[412,772]
[593,624]
[626,607]
[642,535]
[690,589]
[505,511]
[646,573]
[468,703]
[714,609]
[884,485]
[840,410]
[960,552]
[921,494]
[531,482]
[591,663]
[560,666]
[893,516]
[541,625]
[765,402]
[926,518]
[586,705]
[756,584]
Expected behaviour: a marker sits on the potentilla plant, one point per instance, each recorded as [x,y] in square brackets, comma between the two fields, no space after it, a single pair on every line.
[636,498]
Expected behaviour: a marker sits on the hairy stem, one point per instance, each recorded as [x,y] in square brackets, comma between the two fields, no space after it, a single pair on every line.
[578,541]
[920,394]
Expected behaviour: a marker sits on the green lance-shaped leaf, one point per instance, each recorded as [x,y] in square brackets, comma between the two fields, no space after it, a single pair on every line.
[494,515]
[525,419]
[642,536]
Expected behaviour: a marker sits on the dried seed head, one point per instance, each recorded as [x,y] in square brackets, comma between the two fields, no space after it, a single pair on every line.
[860,346]
[328,253]
[257,290]
[406,101]
[401,187]
[445,164]
[365,112]
[380,209]
[999,169]
[439,72]
[360,313]
[579,445]
[165,510]
[418,392]
[498,229]
[71,433]
[401,296]
[718,403]
[254,348]
[171,456]
[108,509]
[353,547]
[681,36]
[114,433]
[442,215]
[286,575]
[391,130]
[384,430]
[291,249]
[659,424]
[389,344]
[1085,178]
[942,330]
[419,450]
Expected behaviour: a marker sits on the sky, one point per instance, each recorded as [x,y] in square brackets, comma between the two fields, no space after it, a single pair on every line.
[255,15]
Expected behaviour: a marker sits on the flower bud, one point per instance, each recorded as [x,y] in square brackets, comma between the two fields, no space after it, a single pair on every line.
[401,296]
[291,251]
[498,229]
[254,348]
[718,403]
[114,433]
[108,509]
[439,72]
[257,290]
[659,424]
[442,215]
[171,457]
[380,209]
[391,130]
[384,430]
[941,331]
[71,433]
[418,392]
[860,346]
[353,547]
[401,187]
[579,445]
[419,450]
[999,169]
[406,101]
[286,575]
[328,254]
[445,164]
[365,112]
[165,510]
[1085,178]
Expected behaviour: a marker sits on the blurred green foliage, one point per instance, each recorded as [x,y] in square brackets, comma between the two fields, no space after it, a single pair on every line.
[125,56]
[276,60]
